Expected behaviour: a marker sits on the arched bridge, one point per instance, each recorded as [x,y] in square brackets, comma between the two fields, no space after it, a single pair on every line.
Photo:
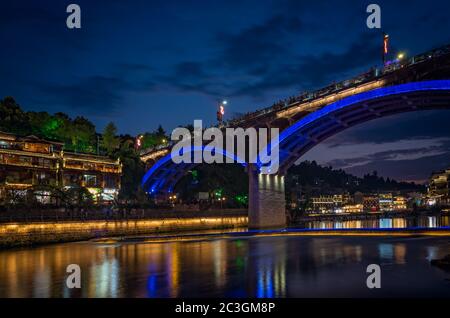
[421,83]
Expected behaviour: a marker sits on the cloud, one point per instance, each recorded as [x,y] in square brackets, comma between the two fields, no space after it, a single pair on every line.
[262,58]
[370,151]
[415,125]
[242,56]
[396,158]
[135,67]
[94,94]
[417,170]
[256,48]
[191,76]
[314,71]
[390,155]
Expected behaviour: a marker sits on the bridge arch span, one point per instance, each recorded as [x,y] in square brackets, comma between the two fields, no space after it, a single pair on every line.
[334,118]
[266,193]
[165,174]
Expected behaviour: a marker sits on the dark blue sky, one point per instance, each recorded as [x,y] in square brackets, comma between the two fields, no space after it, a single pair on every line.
[144,63]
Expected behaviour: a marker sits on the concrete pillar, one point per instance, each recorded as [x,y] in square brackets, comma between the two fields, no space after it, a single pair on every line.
[266,201]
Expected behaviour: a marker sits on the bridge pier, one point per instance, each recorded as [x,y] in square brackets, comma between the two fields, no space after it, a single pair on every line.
[266,201]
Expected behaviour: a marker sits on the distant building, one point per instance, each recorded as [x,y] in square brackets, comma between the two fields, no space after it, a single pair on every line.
[371,203]
[386,202]
[328,203]
[438,189]
[416,199]
[353,208]
[400,203]
[358,198]
[30,161]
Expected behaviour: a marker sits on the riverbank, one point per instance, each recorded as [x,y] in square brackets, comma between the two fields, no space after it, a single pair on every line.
[17,234]
[173,225]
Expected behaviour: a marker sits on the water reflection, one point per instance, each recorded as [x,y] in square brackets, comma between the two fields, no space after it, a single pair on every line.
[381,223]
[241,267]
[386,251]
[270,271]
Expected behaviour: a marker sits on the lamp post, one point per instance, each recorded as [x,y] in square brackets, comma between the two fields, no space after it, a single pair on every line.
[385,47]
[221,111]
[138,142]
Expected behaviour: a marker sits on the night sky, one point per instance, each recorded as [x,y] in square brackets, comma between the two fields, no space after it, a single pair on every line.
[144,63]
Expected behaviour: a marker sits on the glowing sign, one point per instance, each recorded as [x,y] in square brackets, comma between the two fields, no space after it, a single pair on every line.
[386,44]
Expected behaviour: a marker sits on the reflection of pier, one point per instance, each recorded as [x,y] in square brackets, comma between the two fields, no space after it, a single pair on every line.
[268,275]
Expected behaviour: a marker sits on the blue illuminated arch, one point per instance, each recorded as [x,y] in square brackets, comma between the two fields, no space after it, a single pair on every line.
[293,131]
[164,169]
[172,167]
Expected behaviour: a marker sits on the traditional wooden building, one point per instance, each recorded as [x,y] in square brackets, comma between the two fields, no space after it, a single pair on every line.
[439,187]
[31,161]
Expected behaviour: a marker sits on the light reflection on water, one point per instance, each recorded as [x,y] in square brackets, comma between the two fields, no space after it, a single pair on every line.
[381,223]
[276,266]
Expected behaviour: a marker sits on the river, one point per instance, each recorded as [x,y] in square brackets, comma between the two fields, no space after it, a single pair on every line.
[237,266]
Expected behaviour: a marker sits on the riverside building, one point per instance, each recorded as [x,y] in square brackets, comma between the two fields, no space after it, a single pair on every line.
[26,162]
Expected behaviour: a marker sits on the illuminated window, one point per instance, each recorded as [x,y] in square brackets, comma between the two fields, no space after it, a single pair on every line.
[90,180]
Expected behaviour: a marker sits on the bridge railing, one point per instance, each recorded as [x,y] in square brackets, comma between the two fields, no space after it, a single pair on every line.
[370,75]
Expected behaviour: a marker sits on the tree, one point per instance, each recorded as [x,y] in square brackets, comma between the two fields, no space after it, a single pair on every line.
[149,140]
[44,125]
[109,140]
[133,171]
[83,135]
[231,179]
[12,118]
[160,132]
[155,138]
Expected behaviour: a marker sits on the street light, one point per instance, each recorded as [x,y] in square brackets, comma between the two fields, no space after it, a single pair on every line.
[385,47]
[139,141]
[400,56]
[221,111]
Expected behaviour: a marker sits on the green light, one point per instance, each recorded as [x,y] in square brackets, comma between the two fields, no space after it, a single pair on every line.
[218,193]
[242,199]
[50,127]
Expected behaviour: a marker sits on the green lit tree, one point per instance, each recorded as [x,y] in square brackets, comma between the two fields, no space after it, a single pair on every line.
[82,134]
[109,140]
[155,138]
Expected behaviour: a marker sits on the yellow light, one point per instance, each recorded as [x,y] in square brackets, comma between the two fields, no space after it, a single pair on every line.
[401,56]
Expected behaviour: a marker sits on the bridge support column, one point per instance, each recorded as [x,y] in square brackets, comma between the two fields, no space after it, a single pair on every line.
[266,201]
